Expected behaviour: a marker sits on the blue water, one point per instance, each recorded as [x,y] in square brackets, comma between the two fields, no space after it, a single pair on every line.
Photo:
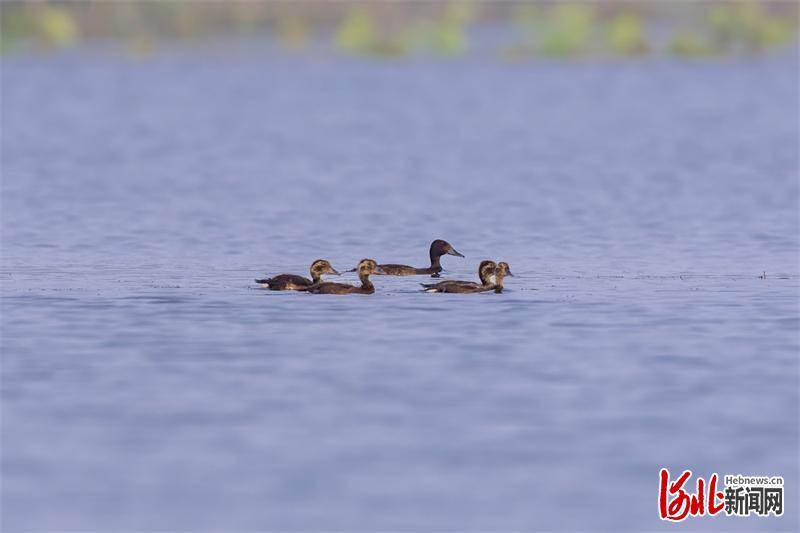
[147,384]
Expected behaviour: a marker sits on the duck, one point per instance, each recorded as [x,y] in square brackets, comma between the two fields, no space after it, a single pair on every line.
[439,248]
[293,282]
[365,268]
[500,272]
[485,271]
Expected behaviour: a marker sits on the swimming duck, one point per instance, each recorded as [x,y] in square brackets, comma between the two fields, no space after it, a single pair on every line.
[500,272]
[293,282]
[485,271]
[438,249]
[365,268]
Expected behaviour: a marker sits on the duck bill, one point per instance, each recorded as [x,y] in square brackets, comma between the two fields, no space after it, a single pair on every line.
[335,272]
[351,270]
[455,253]
[508,273]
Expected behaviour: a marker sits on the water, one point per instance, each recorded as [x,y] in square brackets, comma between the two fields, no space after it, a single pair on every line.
[148,385]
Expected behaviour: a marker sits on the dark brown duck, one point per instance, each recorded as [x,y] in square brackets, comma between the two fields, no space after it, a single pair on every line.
[365,268]
[438,249]
[485,271]
[293,282]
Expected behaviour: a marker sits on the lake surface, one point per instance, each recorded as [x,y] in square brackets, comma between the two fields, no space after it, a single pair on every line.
[148,384]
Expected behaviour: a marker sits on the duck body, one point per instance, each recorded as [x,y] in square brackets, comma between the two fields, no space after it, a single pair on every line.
[330,287]
[461,287]
[293,282]
[485,271]
[365,268]
[438,248]
[405,270]
[286,282]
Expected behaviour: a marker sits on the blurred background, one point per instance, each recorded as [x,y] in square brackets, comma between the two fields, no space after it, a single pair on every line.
[510,30]
[636,163]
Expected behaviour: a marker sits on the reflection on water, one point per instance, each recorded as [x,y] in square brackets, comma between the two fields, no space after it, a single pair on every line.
[148,385]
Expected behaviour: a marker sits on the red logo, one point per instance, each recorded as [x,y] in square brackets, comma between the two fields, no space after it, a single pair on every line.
[675,504]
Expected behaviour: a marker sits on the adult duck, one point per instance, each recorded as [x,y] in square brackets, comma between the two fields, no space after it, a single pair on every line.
[437,250]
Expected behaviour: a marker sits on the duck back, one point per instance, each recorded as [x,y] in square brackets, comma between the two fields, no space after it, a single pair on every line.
[398,270]
[330,287]
[286,282]
[454,286]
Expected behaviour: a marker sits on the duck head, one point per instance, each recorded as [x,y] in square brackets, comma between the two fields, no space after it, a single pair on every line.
[320,267]
[485,271]
[440,248]
[500,272]
[367,267]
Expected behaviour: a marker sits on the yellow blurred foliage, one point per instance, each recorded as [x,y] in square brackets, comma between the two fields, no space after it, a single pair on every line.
[56,26]
[568,30]
[626,35]
[357,31]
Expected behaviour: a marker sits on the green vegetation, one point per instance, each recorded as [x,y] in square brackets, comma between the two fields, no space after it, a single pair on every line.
[703,29]
[443,35]
[357,32]
[50,26]
[626,35]
[567,30]
[690,44]
[400,28]
[449,36]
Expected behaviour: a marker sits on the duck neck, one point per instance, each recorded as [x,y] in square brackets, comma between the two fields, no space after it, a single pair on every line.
[436,266]
[315,277]
[365,282]
[485,278]
[498,283]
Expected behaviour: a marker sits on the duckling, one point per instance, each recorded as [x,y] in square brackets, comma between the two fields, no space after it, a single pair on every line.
[500,272]
[365,268]
[438,249]
[485,271]
[293,282]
